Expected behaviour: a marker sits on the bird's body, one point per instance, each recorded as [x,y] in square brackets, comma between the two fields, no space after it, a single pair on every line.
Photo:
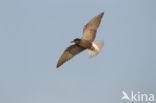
[86,42]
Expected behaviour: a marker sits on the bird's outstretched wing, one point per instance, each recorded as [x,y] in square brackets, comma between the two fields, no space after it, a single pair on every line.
[89,30]
[69,53]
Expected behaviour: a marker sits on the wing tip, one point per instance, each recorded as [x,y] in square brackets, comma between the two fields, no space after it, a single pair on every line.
[58,65]
[102,13]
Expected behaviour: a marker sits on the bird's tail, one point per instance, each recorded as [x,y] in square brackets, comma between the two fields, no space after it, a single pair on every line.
[97,48]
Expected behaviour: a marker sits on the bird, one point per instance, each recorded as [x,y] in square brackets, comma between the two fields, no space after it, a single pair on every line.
[86,42]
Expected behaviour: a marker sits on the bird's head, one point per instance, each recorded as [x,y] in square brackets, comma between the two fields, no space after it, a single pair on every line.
[76,41]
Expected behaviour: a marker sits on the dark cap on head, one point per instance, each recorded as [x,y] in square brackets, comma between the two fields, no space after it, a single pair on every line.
[76,41]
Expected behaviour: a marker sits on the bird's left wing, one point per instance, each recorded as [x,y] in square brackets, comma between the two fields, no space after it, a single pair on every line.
[69,53]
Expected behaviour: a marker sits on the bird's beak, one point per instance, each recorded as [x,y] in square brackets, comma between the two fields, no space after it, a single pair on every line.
[71,41]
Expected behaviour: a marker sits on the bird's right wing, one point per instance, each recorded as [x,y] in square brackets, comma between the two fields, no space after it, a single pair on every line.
[89,30]
[69,53]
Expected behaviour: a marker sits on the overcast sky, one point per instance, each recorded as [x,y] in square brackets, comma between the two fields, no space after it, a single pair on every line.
[34,33]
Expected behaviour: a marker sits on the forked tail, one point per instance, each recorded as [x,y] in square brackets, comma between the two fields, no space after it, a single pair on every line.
[97,48]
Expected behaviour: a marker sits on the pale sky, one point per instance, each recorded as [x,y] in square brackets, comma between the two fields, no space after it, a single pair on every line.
[34,33]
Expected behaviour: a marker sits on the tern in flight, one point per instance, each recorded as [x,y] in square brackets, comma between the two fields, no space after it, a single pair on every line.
[86,42]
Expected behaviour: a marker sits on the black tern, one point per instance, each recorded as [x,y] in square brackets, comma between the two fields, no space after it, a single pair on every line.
[86,42]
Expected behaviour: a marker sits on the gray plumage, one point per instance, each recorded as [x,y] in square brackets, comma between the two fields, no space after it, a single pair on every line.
[89,34]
